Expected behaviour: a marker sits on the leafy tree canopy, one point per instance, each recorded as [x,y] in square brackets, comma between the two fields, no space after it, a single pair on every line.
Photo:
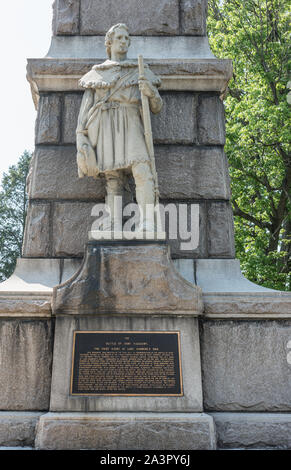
[13,202]
[254,34]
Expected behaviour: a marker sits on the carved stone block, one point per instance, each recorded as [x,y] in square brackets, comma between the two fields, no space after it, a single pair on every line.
[245,365]
[115,431]
[142,18]
[37,231]
[26,356]
[55,176]
[253,430]
[48,120]
[193,17]
[184,244]
[176,123]
[17,429]
[66,16]
[220,230]
[71,223]
[211,128]
[72,103]
[186,172]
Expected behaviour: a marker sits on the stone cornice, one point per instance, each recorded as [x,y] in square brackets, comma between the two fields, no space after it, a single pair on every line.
[273,305]
[62,75]
[25,305]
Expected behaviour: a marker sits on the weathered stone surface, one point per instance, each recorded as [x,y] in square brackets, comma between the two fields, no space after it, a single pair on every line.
[115,431]
[176,123]
[26,356]
[66,16]
[72,221]
[211,128]
[220,230]
[249,304]
[193,17]
[244,365]
[142,18]
[48,120]
[18,305]
[18,429]
[183,240]
[71,224]
[67,66]
[55,176]
[129,279]
[179,49]
[253,430]
[64,72]
[37,231]
[72,103]
[186,172]
[191,401]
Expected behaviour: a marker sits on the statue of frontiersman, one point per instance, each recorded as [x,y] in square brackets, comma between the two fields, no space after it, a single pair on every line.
[110,131]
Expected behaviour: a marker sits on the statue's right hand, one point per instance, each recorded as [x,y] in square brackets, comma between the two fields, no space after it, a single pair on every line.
[82,167]
[86,158]
[91,163]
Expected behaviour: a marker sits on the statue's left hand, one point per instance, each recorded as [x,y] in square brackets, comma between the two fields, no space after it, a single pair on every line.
[146,88]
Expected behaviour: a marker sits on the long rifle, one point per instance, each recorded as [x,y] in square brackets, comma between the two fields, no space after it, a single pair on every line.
[148,129]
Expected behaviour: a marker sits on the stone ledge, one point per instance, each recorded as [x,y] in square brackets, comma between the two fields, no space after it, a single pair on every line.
[253,430]
[247,305]
[63,74]
[13,306]
[28,292]
[227,294]
[116,431]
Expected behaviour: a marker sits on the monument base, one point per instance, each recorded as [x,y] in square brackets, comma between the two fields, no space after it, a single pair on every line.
[126,431]
[145,431]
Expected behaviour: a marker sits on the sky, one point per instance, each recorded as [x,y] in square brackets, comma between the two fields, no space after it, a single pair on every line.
[25,33]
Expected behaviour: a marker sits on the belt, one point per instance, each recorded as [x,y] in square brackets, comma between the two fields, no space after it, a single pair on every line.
[116,104]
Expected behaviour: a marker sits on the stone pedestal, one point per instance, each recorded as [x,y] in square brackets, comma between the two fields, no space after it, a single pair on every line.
[126,431]
[127,287]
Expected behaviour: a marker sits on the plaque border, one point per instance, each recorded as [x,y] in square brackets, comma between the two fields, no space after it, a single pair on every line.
[127,394]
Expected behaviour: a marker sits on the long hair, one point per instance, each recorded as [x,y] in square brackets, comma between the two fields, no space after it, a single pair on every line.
[110,34]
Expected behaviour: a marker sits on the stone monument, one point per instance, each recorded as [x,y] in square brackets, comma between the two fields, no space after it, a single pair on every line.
[203,354]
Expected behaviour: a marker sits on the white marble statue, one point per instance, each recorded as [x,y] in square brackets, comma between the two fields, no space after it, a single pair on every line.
[110,132]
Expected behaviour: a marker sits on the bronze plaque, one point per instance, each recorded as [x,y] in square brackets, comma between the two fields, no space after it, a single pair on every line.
[126,363]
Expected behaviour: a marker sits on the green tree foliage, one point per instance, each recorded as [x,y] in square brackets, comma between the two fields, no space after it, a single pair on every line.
[13,202]
[254,34]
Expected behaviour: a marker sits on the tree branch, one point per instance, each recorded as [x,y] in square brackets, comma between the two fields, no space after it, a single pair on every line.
[259,223]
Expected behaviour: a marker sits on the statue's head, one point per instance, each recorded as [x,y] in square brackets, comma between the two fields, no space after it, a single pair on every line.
[117,37]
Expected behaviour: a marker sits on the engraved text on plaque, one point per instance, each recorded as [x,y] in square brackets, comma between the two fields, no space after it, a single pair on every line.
[126,363]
